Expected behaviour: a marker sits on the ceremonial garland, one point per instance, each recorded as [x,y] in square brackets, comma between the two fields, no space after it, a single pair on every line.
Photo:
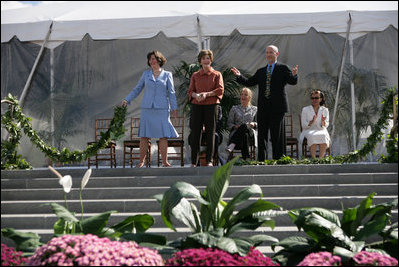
[9,157]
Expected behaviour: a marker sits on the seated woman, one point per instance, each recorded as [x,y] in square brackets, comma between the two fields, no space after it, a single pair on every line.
[315,120]
[242,125]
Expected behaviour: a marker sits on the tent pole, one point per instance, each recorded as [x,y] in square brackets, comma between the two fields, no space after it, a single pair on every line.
[199,35]
[353,98]
[25,91]
[52,96]
[340,75]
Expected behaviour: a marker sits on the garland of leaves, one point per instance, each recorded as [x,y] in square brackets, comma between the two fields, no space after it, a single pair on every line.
[377,133]
[9,157]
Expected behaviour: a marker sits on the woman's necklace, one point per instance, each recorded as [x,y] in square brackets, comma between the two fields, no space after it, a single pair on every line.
[156,72]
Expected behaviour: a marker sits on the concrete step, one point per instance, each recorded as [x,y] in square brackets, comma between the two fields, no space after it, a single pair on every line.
[202,180]
[151,205]
[184,171]
[149,192]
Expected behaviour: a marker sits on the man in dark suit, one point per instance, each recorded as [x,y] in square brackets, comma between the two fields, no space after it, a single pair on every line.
[272,101]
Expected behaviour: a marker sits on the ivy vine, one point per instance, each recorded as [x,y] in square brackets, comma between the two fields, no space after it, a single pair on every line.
[14,120]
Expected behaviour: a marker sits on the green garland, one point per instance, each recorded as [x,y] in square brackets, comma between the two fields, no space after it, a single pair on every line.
[9,157]
[377,133]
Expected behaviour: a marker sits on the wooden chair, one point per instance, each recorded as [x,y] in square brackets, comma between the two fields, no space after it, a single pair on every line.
[131,147]
[109,152]
[290,140]
[305,149]
[177,154]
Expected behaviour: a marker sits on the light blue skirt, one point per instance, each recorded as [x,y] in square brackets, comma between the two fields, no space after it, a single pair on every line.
[155,123]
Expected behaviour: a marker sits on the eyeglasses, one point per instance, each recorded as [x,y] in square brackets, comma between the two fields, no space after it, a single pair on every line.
[315,98]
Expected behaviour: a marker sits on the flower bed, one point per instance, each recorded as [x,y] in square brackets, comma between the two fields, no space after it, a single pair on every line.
[11,257]
[90,250]
[218,257]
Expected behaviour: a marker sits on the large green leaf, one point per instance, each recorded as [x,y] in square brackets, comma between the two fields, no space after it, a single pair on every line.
[183,212]
[145,238]
[258,206]
[235,245]
[95,224]
[173,196]
[362,211]
[303,213]
[218,185]
[322,229]
[372,227]
[248,223]
[62,212]
[241,197]
[296,243]
[62,227]
[134,224]
[259,239]
[25,241]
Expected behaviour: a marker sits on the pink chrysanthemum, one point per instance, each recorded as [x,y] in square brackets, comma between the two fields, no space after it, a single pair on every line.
[217,257]
[320,259]
[365,258]
[89,250]
[11,257]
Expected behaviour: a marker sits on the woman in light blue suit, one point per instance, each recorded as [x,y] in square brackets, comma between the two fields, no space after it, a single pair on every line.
[159,99]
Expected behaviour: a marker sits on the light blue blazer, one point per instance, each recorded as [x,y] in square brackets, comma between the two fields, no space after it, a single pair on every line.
[159,92]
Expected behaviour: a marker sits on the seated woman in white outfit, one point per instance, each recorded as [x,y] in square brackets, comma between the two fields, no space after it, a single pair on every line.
[315,120]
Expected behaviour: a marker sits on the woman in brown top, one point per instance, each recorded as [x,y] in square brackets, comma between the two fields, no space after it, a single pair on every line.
[205,92]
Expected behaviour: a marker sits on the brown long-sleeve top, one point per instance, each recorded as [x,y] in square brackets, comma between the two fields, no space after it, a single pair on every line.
[212,81]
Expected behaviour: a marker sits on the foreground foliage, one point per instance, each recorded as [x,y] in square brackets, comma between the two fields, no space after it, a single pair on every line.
[214,224]
[343,237]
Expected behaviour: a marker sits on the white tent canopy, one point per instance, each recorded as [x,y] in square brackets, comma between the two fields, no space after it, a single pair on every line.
[135,20]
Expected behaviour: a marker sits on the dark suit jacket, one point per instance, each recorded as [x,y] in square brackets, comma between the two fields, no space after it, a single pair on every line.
[280,77]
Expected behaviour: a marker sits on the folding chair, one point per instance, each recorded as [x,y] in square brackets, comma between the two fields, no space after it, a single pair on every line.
[131,147]
[109,152]
[177,154]
[290,140]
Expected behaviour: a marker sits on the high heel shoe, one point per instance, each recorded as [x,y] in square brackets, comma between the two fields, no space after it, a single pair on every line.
[167,164]
[140,165]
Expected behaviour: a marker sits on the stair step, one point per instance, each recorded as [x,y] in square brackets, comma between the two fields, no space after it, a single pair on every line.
[148,192]
[147,181]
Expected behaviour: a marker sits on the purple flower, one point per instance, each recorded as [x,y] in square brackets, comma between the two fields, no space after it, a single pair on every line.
[365,258]
[89,250]
[218,257]
[11,257]
[320,259]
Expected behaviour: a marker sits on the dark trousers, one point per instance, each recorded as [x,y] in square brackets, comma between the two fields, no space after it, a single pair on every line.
[275,123]
[202,115]
[242,138]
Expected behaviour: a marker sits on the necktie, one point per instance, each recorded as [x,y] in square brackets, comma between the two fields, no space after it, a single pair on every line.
[268,78]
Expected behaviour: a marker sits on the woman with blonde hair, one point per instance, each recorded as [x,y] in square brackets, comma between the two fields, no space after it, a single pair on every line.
[242,125]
